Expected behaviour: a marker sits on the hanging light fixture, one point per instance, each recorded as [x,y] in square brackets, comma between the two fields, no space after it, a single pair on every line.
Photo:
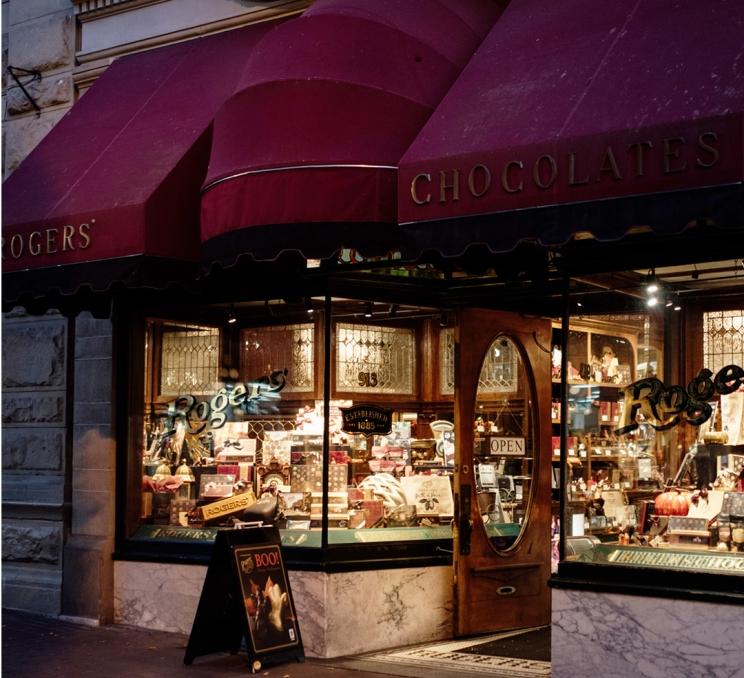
[652,285]
[231,317]
[368,310]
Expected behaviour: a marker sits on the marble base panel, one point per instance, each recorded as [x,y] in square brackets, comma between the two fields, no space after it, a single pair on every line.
[616,636]
[339,614]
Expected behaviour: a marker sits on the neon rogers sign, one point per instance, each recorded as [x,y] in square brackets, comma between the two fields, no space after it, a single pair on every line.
[663,407]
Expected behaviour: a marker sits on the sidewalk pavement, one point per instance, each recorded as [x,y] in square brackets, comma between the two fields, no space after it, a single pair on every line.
[47,647]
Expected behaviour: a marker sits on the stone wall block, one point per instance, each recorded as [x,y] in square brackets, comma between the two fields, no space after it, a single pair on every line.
[34,355]
[33,449]
[23,134]
[43,44]
[92,381]
[24,10]
[50,91]
[31,542]
[88,326]
[93,347]
[37,409]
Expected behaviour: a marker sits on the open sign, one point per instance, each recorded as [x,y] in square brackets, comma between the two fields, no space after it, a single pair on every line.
[514,447]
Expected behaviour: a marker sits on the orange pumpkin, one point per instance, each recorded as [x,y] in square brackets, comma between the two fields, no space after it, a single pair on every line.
[673,502]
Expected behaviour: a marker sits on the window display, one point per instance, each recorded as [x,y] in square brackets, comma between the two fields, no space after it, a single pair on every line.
[211,456]
[655,456]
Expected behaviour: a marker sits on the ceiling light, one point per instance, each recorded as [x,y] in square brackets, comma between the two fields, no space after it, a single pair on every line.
[651,301]
[368,310]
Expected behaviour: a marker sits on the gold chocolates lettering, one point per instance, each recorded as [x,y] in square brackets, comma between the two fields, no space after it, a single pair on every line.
[666,156]
[609,164]
[640,160]
[485,181]
[713,153]
[538,171]
[414,189]
[505,177]
[671,154]
[453,186]
[572,180]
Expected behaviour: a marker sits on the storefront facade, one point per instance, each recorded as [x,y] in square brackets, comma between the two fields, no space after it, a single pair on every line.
[458,279]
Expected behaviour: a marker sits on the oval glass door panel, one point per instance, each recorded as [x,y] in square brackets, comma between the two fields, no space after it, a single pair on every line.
[504,453]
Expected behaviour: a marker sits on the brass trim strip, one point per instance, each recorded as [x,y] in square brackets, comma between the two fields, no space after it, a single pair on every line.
[288,168]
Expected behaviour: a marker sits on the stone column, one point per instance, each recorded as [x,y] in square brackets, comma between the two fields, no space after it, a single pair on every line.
[88,572]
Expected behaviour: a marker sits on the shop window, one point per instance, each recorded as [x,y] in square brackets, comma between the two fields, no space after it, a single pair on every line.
[655,461]
[208,452]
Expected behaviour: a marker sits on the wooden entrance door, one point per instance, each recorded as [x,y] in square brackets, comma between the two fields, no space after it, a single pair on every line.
[503,472]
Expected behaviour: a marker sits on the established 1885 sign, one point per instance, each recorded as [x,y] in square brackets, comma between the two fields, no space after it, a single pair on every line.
[366,419]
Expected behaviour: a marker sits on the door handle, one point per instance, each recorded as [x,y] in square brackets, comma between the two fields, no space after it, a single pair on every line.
[464,525]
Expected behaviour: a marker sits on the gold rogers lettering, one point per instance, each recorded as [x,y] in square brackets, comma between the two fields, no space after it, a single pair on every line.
[616,164]
[48,241]
[225,507]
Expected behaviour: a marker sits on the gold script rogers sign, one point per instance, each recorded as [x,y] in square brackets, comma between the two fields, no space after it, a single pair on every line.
[616,162]
[47,241]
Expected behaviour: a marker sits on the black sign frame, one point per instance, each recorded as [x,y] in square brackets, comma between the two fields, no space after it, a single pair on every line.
[367,419]
[245,574]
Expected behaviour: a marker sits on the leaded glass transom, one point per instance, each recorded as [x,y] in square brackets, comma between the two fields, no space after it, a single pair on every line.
[375,359]
[265,349]
[189,360]
[723,339]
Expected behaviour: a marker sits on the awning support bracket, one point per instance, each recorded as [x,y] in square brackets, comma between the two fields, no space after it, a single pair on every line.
[14,70]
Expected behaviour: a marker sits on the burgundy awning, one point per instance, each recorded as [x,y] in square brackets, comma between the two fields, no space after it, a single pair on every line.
[112,192]
[305,154]
[584,116]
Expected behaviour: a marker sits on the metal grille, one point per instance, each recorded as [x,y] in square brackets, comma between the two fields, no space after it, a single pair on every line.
[257,427]
[723,339]
[498,373]
[374,359]
[273,348]
[189,360]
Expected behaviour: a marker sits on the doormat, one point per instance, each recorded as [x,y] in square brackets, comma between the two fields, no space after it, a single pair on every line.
[503,655]
[525,644]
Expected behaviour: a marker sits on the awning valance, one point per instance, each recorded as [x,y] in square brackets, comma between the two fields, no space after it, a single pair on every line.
[305,153]
[575,117]
[111,194]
